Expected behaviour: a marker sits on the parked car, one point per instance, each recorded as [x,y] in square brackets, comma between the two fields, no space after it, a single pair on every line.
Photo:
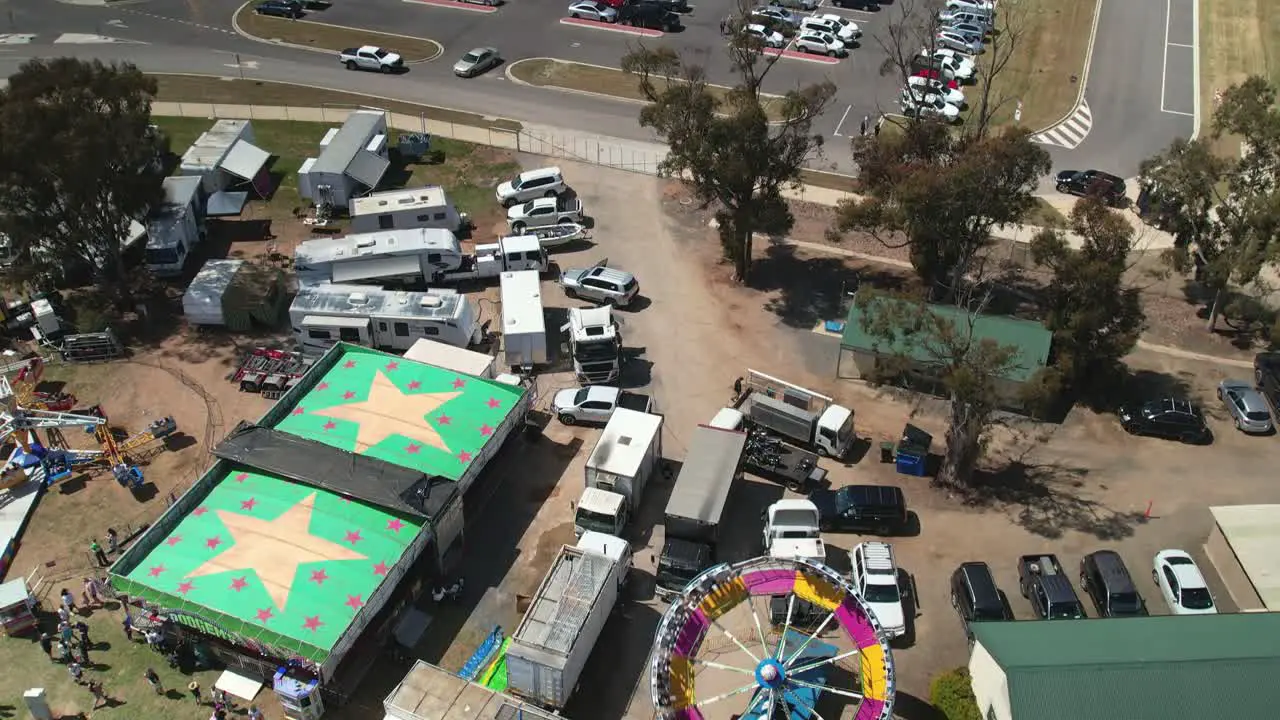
[936,76]
[1042,580]
[649,15]
[805,5]
[592,10]
[872,5]
[1168,418]
[678,6]
[371,57]
[950,67]
[875,579]
[1246,406]
[847,29]
[958,41]
[544,211]
[981,6]
[951,17]
[770,38]
[928,106]
[921,87]
[595,403]
[530,184]
[965,66]
[976,597]
[1182,584]
[601,283]
[777,15]
[824,24]
[1106,580]
[969,30]
[476,61]
[881,509]
[820,43]
[291,9]
[1092,182]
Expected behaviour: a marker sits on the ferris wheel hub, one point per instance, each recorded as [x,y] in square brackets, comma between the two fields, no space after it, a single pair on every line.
[770,674]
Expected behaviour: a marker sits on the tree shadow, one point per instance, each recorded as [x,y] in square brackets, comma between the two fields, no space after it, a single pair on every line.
[910,707]
[1127,386]
[1047,499]
[811,290]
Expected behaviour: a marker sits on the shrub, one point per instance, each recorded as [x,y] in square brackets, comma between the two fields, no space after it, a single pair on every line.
[952,694]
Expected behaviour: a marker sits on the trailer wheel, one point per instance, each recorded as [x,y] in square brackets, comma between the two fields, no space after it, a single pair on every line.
[567,419]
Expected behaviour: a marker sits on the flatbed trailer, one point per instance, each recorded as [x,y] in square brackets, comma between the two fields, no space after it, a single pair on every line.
[789,466]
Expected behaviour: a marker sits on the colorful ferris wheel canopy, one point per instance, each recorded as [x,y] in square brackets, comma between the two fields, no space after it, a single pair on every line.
[786,670]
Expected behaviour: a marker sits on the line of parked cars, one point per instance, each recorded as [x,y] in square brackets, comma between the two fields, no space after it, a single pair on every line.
[777,27]
[933,90]
[653,14]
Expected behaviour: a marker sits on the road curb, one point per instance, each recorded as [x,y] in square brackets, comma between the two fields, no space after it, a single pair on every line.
[611,27]
[1084,73]
[457,5]
[235,25]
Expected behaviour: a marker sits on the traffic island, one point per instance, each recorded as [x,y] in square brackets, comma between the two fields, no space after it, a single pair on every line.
[332,38]
[601,80]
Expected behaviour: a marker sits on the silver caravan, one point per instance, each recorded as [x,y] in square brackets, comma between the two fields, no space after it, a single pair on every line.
[175,227]
[424,207]
[352,161]
[389,257]
[389,320]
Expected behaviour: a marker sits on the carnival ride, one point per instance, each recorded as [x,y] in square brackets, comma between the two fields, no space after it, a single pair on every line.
[789,670]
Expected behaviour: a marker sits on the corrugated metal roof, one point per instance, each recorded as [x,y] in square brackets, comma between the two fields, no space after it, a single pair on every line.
[1220,666]
[349,141]
[1253,532]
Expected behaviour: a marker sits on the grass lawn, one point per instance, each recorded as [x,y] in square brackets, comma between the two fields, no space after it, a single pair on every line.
[1050,51]
[602,80]
[209,89]
[467,172]
[1238,38]
[334,37]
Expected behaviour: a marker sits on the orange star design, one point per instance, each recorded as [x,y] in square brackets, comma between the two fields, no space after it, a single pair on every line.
[390,411]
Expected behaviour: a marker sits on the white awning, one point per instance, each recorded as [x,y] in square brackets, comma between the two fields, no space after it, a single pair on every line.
[357,270]
[245,160]
[368,168]
[334,321]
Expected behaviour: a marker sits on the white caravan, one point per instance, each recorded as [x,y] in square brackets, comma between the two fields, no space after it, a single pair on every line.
[388,257]
[524,330]
[390,320]
[423,207]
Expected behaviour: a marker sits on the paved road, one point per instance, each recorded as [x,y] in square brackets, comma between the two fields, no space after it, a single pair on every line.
[1141,85]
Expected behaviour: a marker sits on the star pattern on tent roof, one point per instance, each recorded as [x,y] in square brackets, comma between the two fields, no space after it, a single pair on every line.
[274,549]
[390,411]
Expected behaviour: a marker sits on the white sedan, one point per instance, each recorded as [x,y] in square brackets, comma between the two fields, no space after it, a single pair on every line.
[1182,584]
[928,106]
[920,87]
[812,41]
[769,37]
[848,28]
[964,66]
[591,10]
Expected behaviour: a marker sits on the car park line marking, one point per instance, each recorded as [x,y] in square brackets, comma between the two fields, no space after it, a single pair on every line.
[612,27]
[797,55]
[1164,70]
[840,124]
[458,5]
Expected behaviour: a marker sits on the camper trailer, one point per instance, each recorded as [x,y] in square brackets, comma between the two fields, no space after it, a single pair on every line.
[389,320]
[524,331]
[352,161]
[390,257]
[224,157]
[175,227]
[424,207]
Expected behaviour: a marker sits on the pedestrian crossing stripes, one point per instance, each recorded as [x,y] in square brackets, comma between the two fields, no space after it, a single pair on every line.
[15,39]
[87,39]
[1070,132]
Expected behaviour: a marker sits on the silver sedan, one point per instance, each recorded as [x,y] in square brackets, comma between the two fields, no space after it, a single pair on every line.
[476,61]
[1248,408]
[591,10]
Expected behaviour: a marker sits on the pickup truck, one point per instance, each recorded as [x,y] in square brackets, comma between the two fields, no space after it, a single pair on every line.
[596,403]
[370,57]
[1042,580]
[544,211]
[793,468]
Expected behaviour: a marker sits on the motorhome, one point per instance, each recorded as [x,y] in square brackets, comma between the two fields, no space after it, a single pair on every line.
[175,227]
[423,207]
[524,330]
[388,257]
[390,320]
[595,343]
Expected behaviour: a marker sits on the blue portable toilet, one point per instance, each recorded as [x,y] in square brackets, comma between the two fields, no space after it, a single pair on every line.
[912,456]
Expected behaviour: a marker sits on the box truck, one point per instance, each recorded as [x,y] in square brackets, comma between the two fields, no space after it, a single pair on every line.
[627,454]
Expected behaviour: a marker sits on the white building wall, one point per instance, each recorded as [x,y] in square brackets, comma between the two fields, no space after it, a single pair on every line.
[990,685]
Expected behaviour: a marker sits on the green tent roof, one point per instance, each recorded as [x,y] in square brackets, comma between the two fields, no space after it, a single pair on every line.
[1031,339]
[1204,666]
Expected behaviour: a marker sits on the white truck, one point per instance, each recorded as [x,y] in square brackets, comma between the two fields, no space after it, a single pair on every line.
[524,330]
[797,414]
[551,644]
[626,456]
[371,57]
[544,211]
[791,531]
[595,343]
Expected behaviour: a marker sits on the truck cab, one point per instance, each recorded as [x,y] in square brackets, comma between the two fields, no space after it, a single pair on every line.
[600,511]
[595,343]
[797,414]
[791,531]
[680,562]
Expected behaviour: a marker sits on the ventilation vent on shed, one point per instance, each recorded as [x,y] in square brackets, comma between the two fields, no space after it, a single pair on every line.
[624,440]
[431,301]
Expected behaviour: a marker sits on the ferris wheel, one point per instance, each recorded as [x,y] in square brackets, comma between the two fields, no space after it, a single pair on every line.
[749,640]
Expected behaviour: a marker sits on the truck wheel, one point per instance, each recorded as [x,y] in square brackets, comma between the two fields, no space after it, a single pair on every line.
[387,69]
[567,419]
[549,194]
[518,228]
[351,64]
[824,452]
[564,221]
[570,293]
[793,486]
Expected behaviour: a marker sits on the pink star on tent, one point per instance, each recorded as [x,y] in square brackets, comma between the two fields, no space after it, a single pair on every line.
[173,540]
[459,383]
[330,425]
[239,584]
[312,623]
[241,477]
[415,385]
[394,524]
[200,511]
[464,457]
[265,614]
[494,403]
[323,386]
[485,430]
[353,536]
[186,587]
[299,410]
[393,365]
[156,571]
[354,602]
[412,449]
[443,420]
[213,542]
[247,505]
[319,576]
[348,395]
[381,568]
[349,364]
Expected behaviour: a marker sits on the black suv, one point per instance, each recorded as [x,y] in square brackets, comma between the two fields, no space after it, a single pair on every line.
[881,509]
[649,15]
[1167,418]
[1105,579]
[281,8]
[1092,183]
[976,597]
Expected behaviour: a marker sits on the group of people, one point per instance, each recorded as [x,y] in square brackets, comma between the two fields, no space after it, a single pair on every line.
[113,546]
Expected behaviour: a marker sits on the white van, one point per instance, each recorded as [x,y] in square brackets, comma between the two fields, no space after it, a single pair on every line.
[531,184]
[977,7]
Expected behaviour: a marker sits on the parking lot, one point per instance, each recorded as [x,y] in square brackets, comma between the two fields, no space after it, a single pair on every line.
[1066,489]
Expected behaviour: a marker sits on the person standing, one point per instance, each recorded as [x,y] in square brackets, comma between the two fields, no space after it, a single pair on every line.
[113,541]
[254,713]
[194,689]
[91,592]
[64,629]
[83,629]
[84,656]
[154,681]
[68,600]
[98,554]
[862,128]
[64,615]
[127,624]
[879,124]
[77,672]
[99,694]
[64,653]
[46,644]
